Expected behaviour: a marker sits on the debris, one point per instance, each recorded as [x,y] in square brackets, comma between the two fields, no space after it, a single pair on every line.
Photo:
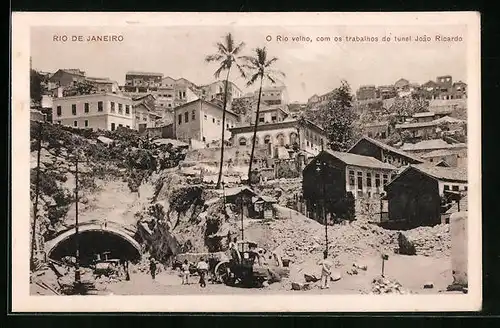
[363,267]
[406,247]
[428,285]
[300,286]
[381,285]
[310,278]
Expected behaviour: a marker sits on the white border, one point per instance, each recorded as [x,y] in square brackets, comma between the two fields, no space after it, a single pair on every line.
[23,302]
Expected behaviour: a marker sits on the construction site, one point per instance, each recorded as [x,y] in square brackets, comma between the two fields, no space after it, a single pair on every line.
[108,204]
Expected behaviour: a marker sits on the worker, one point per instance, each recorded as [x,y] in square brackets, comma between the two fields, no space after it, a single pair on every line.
[185,272]
[202,271]
[152,267]
[326,267]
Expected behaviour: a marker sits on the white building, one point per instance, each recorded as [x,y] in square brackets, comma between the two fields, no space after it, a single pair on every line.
[275,95]
[201,120]
[104,111]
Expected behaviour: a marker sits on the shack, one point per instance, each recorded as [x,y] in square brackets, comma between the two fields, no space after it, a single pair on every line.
[416,196]
[241,197]
[264,207]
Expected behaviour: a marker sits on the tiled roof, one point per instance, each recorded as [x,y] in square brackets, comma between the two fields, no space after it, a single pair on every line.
[389,148]
[360,160]
[416,125]
[439,152]
[432,144]
[424,114]
[443,173]
[144,73]
[448,119]
[206,102]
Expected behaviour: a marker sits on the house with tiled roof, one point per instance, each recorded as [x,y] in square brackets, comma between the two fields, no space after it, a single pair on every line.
[66,77]
[371,147]
[332,175]
[416,196]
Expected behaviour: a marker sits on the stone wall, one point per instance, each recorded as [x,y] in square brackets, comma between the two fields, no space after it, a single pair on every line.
[458,231]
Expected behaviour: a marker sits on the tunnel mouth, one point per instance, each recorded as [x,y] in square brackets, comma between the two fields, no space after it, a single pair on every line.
[94,242]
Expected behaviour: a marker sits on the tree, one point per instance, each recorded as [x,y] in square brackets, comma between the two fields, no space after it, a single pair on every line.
[260,68]
[406,106]
[226,56]
[337,116]
[35,87]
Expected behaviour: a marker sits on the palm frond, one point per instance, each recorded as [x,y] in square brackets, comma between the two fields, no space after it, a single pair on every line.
[219,70]
[261,55]
[238,49]
[222,48]
[212,58]
[229,42]
[253,79]
[241,70]
[270,62]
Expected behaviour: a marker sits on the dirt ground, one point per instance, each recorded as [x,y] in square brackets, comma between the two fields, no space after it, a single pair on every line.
[411,271]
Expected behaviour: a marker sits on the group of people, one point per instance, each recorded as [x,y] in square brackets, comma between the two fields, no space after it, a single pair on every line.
[201,267]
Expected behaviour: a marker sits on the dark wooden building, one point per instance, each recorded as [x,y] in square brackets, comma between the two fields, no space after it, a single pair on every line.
[416,195]
[370,147]
[331,176]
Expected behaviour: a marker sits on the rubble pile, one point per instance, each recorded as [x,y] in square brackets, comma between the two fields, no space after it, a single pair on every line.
[382,285]
[286,191]
[431,241]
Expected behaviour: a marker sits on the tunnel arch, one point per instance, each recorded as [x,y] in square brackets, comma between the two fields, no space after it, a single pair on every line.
[94,238]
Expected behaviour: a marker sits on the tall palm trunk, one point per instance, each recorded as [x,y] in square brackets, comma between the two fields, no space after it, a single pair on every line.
[254,134]
[223,130]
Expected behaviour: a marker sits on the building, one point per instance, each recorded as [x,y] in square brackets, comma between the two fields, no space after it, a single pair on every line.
[452,157]
[416,195]
[304,134]
[274,95]
[448,90]
[142,82]
[377,130]
[419,130]
[316,100]
[331,175]
[402,85]
[272,114]
[216,90]
[103,84]
[104,111]
[387,91]
[144,115]
[427,146]
[175,92]
[65,77]
[367,146]
[366,92]
[37,116]
[201,120]
[424,117]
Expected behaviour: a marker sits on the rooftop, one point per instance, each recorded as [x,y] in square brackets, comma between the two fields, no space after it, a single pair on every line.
[443,173]
[360,160]
[416,125]
[439,152]
[448,119]
[423,114]
[432,144]
[144,73]
[388,148]
[205,102]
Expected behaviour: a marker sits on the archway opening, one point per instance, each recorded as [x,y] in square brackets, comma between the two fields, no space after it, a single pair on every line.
[97,242]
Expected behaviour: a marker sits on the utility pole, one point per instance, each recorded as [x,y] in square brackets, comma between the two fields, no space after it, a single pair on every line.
[242,233]
[77,236]
[37,191]
[323,173]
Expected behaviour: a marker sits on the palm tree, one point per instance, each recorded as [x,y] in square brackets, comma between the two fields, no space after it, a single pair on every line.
[261,68]
[226,56]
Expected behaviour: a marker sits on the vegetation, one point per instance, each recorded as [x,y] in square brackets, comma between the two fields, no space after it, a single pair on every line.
[226,56]
[260,68]
[36,88]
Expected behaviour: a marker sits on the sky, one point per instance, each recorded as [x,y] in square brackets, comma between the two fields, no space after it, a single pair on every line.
[310,67]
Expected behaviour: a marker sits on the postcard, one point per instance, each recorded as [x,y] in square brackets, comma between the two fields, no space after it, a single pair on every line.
[246,162]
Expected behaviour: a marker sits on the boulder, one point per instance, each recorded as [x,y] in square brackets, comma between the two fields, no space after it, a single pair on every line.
[363,267]
[406,247]
[310,277]
[300,286]
[335,276]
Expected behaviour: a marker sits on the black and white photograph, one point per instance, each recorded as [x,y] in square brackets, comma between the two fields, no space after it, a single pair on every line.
[248,157]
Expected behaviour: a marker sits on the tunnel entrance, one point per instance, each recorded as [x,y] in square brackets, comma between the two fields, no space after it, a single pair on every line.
[93,242]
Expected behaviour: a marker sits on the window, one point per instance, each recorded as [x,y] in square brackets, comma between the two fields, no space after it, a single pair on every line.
[368,179]
[183,94]
[112,107]
[267,140]
[307,143]
[213,119]
[261,119]
[193,115]
[377,180]
[73,109]
[385,178]
[86,107]
[180,119]
[454,188]
[242,141]
[127,109]
[86,123]
[59,122]
[186,117]
[273,118]
[99,106]
[360,180]
[227,126]
[120,109]
[351,178]
[128,126]
[205,117]
[120,125]
[218,122]
[112,126]
[75,123]
[446,187]
[465,187]
[144,118]
[204,139]
[59,110]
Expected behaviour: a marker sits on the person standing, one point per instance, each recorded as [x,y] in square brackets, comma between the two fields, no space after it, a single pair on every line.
[185,272]
[326,267]
[202,271]
[152,267]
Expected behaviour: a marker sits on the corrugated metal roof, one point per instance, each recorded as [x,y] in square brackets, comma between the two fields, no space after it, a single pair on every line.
[360,160]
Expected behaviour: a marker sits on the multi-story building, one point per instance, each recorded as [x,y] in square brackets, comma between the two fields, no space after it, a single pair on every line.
[366,92]
[275,95]
[216,90]
[290,133]
[104,111]
[142,82]
[201,120]
[65,77]
[103,84]
[272,114]
[402,85]
[387,91]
